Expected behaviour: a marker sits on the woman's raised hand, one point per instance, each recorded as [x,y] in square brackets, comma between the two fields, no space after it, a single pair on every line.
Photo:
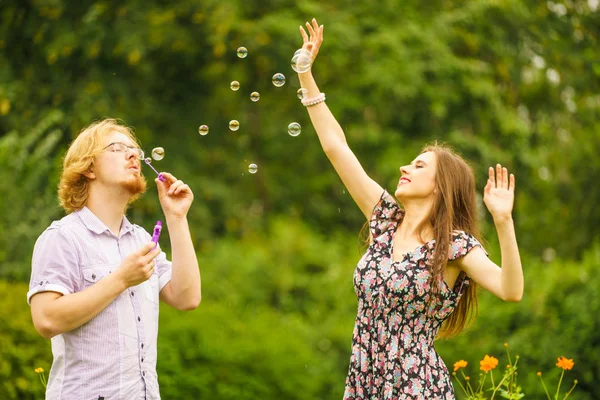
[313,42]
[499,193]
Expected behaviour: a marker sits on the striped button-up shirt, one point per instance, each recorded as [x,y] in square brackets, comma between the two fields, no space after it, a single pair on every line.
[112,356]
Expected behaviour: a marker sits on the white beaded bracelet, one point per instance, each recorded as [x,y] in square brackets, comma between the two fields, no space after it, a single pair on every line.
[314,100]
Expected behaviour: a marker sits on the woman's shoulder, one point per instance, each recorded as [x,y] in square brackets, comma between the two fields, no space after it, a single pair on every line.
[385,215]
[462,242]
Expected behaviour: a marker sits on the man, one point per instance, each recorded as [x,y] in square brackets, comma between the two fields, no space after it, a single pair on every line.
[96,278]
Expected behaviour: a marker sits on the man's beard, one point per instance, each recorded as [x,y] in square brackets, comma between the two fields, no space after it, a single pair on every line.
[136,187]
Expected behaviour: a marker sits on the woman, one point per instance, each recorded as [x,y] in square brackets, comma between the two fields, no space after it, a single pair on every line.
[418,276]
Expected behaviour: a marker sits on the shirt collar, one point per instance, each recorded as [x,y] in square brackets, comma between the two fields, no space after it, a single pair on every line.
[93,223]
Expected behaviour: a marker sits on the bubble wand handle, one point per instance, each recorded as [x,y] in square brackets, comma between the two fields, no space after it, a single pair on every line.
[160,176]
[156,233]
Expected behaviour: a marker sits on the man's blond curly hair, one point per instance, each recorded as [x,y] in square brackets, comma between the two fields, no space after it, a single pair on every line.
[73,188]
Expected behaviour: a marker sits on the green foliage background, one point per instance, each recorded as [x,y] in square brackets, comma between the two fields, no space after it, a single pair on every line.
[507,81]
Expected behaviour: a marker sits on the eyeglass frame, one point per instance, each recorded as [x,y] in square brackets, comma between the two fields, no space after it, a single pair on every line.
[137,151]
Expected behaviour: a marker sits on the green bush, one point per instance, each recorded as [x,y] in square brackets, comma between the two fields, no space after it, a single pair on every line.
[21,348]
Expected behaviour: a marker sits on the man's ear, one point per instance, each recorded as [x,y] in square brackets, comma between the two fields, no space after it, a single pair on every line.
[90,172]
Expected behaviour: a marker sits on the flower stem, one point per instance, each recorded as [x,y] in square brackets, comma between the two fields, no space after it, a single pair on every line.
[462,387]
[569,393]
[513,377]
[469,387]
[43,379]
[499,384]
[481,382]
[508,355]
[559,383]
[545,388]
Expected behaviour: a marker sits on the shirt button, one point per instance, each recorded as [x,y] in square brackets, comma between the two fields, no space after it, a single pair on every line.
[144,373]
[132,293]
[142,345]
[142,359]
[139,319]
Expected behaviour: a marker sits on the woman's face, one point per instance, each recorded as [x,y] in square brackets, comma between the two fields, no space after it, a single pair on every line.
[418,178]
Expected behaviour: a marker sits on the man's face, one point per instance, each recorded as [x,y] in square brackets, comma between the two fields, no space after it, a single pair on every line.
[115,167]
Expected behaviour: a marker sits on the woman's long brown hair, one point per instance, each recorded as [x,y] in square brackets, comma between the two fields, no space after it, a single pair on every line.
[454,208]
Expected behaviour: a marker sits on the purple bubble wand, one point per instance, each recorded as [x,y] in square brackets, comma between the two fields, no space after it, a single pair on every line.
[160,176]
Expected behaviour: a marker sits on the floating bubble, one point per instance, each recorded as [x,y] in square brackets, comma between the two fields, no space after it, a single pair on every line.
[548,254]
[325,344]
[235,85]
[294,129]
[278,79]
[242,52]
[158,153]
[234,125]
[148,160]
[255,96]
[301,93]
[252,168]
[301,61]
[203,130]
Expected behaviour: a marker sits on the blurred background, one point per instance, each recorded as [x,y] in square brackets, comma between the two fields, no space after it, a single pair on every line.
[509,81]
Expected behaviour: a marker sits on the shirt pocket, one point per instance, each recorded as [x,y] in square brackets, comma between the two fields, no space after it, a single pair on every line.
[96,272]
[151,288]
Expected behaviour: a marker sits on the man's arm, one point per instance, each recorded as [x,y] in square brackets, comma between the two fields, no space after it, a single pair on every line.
[54,313]
[183,291]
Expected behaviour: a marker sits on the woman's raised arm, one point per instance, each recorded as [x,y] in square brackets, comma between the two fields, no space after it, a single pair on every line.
[365,191]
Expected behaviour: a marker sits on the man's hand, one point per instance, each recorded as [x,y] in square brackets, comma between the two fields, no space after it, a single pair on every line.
[139,266]
[175,196]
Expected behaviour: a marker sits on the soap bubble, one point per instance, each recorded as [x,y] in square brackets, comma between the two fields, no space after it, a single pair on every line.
[301,61]
[278,79]
[203,130]
[158,153]
[252,168]
[294,129]
[301,93]
[234,125]
[235,85]
[255,96]
[242,52]
[147,160]
[548,254]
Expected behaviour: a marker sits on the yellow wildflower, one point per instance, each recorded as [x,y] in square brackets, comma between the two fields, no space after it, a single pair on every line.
[565,363]
[488,363]
[459,364]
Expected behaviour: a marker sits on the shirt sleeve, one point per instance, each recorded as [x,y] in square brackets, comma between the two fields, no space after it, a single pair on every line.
[164,268]
[386,213]
[54,265]
[462,244]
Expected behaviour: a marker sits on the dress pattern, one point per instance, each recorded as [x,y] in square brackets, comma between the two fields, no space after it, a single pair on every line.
[393,356]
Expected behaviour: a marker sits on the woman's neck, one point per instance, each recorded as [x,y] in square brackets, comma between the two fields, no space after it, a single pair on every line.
[415,224]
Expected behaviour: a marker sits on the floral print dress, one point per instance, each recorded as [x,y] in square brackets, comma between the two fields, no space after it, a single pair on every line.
[392,347]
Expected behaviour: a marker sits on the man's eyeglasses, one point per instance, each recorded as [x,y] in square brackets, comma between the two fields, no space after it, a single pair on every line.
[119,147]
